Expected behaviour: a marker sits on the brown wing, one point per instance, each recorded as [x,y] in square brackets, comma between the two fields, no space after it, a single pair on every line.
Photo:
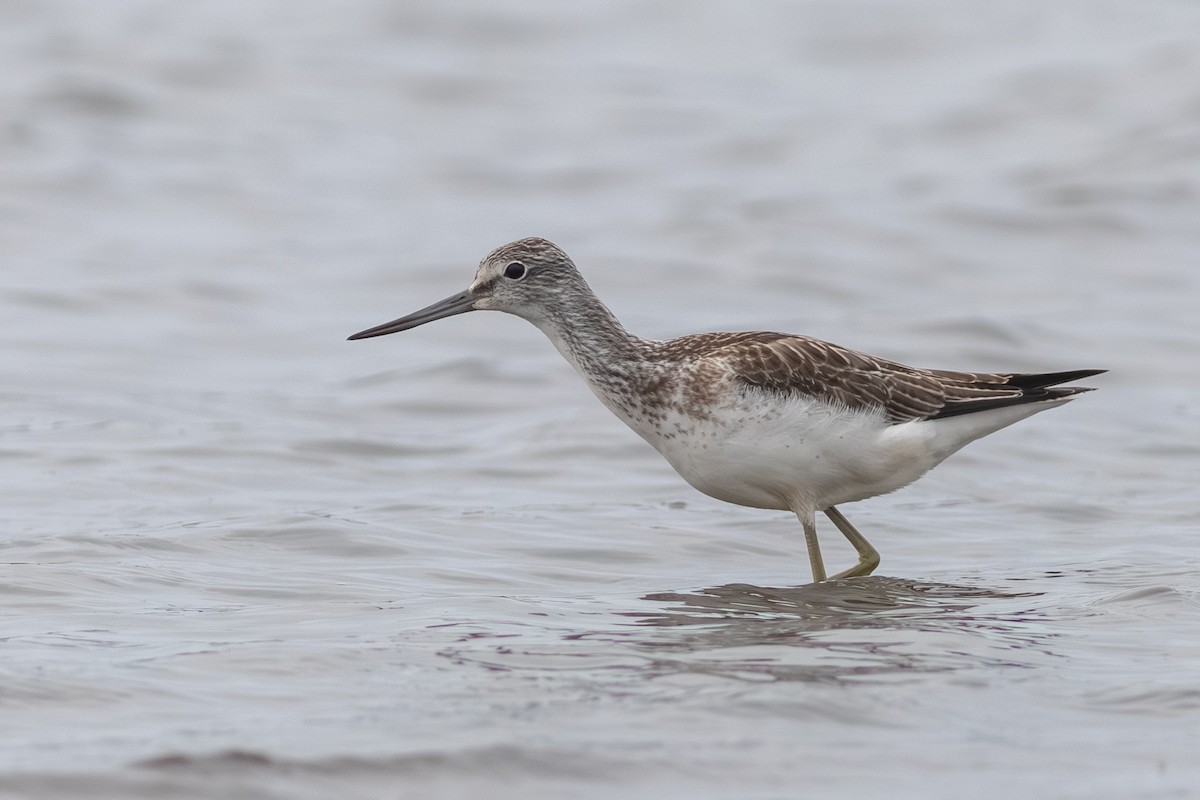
[796,364]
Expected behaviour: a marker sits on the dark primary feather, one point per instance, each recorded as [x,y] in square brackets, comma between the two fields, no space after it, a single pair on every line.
[796,364]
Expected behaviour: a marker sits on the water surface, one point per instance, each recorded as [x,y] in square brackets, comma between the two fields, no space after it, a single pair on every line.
[244,557]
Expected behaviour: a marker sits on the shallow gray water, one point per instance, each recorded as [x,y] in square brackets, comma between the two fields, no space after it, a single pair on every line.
[242,557]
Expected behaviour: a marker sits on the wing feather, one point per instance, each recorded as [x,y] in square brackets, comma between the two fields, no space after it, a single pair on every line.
[800,365]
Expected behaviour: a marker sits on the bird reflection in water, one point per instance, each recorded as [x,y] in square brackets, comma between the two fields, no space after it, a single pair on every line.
[842,629]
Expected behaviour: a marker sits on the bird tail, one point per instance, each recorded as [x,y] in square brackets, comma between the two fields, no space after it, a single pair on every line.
[1032,381]
[1031,387]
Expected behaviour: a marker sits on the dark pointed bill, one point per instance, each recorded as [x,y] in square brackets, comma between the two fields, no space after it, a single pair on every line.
[460,303]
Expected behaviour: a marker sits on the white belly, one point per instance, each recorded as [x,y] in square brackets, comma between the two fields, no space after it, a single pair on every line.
[793,454]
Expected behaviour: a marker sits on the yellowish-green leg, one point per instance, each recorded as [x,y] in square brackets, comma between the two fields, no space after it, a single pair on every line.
[814,547]
[868,556]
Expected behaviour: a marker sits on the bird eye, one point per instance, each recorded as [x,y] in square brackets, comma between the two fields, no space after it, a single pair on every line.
[516,270]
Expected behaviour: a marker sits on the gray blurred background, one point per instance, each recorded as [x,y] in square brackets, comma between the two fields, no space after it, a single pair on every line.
[244,557]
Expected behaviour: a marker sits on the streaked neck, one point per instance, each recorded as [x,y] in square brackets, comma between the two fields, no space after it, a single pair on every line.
[593,340]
